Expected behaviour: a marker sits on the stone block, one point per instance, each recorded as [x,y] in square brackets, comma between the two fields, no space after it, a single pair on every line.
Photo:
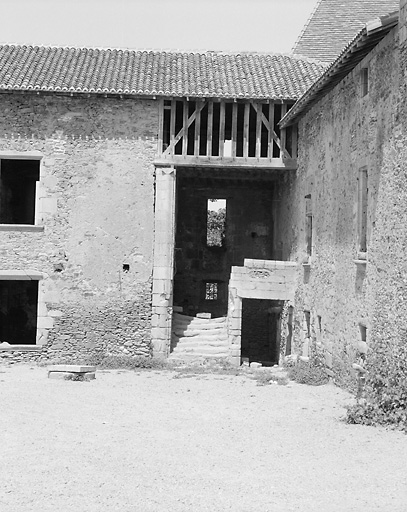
[255,365]
[76,368]
[45,322]
[71,376]
[328,359]
[204,315]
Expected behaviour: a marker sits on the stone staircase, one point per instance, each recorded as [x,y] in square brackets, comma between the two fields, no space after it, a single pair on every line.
[197,338]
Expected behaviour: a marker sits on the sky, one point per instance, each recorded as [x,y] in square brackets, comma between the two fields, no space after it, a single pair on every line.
[228,25]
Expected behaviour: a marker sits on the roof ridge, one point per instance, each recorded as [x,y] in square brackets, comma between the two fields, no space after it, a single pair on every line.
[163,51]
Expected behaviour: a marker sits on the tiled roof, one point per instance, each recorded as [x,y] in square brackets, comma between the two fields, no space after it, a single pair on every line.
[353,53]
[334,23]
[155,73]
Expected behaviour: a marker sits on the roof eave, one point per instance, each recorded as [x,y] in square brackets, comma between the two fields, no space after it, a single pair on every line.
[373,32]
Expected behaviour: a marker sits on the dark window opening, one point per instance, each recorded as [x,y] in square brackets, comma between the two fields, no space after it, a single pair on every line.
[17,191]
[216,222]
[363,332]
[18,312]
[307,318]
[319,323]
[364,79]
[126,267]
[211,291]
[308,225]
[363,209]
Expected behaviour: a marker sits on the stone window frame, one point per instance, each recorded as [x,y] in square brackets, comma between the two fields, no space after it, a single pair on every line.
[26,155]
[44,321]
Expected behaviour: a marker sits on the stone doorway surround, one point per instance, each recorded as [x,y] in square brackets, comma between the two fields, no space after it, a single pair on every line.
[163,266]
[257,279]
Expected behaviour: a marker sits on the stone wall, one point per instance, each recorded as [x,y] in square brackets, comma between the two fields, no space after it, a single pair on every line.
[339,136]
[95,202]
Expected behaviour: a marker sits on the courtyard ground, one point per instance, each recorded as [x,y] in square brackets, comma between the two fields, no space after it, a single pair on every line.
[170,441]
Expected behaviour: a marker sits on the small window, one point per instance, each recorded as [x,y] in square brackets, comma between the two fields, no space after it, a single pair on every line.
[362,209]
[364,80]
[216,222]
[18,180]
[211,291]
[308,225]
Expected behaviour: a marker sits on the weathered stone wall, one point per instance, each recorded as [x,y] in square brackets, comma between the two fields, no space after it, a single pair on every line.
[340,135]
[95,201]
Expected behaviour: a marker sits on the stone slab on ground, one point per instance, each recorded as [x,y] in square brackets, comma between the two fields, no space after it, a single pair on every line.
[74,368]
[72,375]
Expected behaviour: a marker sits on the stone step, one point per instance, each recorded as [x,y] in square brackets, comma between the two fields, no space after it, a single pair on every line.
[214,352]
[205,333]
[201,340]
[191,320]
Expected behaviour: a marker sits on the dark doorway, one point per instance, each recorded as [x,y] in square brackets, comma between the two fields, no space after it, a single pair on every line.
[261,331]
[18,312]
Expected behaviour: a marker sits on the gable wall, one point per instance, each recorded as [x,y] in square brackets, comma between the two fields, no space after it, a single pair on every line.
[341,134]
[96,201]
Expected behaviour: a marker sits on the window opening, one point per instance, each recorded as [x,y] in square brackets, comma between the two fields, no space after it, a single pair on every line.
[18,311]
[308,225]
[363,332]
[319,324]
[17,190]
[211,291]
[364,76]
[307,317]
[216,222]
[363,208]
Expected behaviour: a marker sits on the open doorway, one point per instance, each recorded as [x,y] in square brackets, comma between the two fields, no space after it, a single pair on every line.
[18,311]
[261,331]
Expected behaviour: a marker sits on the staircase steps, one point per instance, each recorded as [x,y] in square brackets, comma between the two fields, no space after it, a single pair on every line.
[196,338]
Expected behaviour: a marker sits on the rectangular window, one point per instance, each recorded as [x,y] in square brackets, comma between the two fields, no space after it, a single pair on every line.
[364,81]
[18,311]
[211,291]
[362,208]
[308,225]
[18,180]
[216,222]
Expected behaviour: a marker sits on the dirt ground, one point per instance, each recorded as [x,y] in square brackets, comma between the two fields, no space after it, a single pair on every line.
[165,441]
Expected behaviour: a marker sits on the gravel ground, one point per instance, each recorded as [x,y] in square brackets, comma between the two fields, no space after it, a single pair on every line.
[167,441]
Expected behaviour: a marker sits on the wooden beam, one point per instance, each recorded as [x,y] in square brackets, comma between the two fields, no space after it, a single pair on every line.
[222,129]
[246,130]
[160,126]
[234,129]
[171,147]
[184,124]
[197,129]
[270,131]
[283,132]
[273,133]
[239,162]
[259,115]
[210,129]
[184,129]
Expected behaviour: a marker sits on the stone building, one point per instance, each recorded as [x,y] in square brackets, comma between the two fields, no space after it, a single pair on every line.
[143,192]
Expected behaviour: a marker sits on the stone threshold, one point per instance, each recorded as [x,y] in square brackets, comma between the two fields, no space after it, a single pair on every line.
[21,348]
[21,227]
